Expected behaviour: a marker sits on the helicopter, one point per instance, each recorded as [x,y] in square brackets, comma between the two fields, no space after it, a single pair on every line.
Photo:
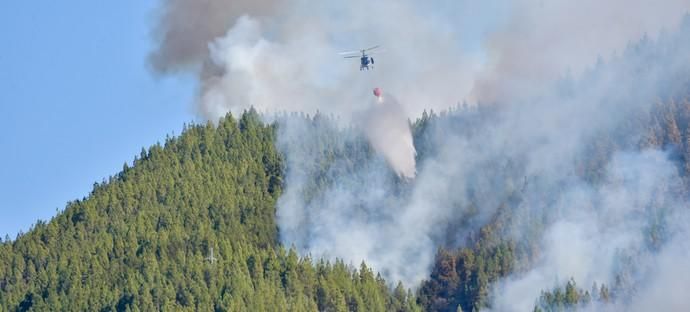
[366,61]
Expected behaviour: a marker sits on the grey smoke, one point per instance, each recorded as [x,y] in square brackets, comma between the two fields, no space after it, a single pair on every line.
[185,28]
[279,56]
[543,40]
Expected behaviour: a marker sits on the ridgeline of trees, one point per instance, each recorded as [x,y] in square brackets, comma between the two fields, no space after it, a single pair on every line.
[143,240]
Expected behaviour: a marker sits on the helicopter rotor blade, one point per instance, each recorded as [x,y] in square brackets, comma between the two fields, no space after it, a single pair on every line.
[374,47]
[352,56]
[349,52]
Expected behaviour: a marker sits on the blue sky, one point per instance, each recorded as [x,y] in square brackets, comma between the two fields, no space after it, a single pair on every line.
[76,101]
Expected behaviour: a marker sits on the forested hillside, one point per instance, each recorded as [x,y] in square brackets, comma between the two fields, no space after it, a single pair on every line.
[143,238]
[530,200]
[190,226]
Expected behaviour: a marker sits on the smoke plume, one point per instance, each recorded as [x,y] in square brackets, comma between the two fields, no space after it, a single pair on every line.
[185,29]
[561,74]
[385,125]
[542,41]
[600,228]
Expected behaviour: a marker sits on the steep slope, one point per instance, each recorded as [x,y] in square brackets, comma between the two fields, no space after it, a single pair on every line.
[190,226]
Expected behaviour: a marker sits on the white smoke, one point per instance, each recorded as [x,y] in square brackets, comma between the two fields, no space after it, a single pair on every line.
[664,291]
[259,73]
[279,57]
[385,125]
[274,77]
[596,227]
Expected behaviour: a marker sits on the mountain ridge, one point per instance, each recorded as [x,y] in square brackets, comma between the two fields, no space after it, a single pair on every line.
[140,240]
